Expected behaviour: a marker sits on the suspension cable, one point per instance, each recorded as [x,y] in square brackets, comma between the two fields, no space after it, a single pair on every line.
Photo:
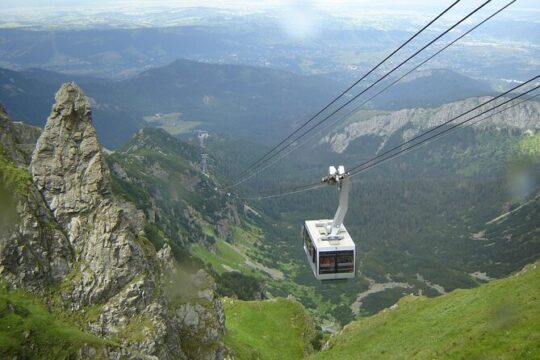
[448,131]
[275,160]
[373,84]
[262,158]
[290,192]
[360,168]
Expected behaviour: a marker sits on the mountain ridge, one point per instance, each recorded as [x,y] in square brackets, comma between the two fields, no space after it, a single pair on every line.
[255,103]
[408,123]
[217,95]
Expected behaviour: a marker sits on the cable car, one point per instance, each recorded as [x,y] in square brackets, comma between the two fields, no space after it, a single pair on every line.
[329,248]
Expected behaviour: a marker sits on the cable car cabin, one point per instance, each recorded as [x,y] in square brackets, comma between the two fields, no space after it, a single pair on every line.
[330,257]
[329,248]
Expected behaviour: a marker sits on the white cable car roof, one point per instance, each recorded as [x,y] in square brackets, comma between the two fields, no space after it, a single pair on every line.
[317,230]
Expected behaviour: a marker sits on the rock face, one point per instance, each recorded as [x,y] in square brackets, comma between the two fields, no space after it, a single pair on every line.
[411,122]
[8,139]
[69,170]
[74,232]
[33,251]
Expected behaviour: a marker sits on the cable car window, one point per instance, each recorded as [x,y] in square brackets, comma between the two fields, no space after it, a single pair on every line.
[345,261]
[327,262]
[309,246]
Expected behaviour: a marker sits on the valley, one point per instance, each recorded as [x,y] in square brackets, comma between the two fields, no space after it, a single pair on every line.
[428,262]
[252,258]
[157,166]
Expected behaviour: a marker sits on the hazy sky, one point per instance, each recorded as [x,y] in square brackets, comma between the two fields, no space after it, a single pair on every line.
[252,5]
[301,13]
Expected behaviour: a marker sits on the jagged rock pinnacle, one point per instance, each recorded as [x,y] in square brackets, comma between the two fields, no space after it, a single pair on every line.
[69,169]
[76,231]
[71,99]
[67,165]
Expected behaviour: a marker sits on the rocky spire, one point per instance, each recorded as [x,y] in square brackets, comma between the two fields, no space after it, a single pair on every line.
[69,170]
[74,231]
[67,164]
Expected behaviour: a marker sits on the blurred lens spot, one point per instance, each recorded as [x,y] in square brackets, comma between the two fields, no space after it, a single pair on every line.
[502,316]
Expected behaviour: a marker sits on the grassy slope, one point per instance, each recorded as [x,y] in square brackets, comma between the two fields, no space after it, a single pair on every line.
[29,331]
[499,320]
[268,329]
[223,255]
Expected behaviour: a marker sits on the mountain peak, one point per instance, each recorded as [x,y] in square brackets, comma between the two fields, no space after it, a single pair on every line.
[70,98]
[67,164]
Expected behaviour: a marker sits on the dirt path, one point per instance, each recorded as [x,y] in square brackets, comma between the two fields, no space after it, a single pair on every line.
[375,287]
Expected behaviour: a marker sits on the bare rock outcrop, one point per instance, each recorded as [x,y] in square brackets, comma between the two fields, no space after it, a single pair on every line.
[74,232]
[34,251]
[8,140]
[411,122]
[69,170]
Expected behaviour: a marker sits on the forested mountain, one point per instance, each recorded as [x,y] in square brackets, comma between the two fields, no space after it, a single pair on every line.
[247,101]
[432,220]
[430,88]
[257,104]
[438,219]
[418,221]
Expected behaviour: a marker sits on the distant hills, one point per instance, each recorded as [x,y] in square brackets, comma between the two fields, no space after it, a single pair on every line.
[431,88]
[29,96]
[243,100]
[256,103]
[218,38]
[116,45]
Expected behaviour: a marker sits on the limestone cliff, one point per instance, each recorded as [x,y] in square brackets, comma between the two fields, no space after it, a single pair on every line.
[410,122]
[85,249]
